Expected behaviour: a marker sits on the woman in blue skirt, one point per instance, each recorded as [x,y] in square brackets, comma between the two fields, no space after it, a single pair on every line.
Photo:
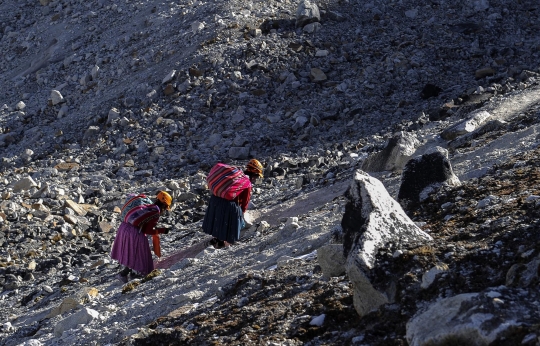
[224,217]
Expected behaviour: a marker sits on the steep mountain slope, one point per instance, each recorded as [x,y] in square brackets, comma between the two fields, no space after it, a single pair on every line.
[102,98]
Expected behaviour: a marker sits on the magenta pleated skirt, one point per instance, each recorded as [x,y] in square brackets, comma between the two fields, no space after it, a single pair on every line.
[131,248]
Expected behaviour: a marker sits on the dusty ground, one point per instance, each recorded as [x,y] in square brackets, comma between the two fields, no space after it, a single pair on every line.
[479,244]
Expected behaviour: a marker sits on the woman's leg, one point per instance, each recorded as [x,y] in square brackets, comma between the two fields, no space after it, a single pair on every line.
[123,275]
[125,271]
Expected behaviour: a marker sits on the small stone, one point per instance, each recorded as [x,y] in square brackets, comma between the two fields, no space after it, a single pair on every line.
[307,12]
[91,135]
[75,207]
[484,72]
[197,26]
[105,227]
[66,166]
[312,27]
[331,260]
[411,13]
[299,123]
[429,277]
[24,184]
[63,111]
[31,265]
[85,80]
[113,115]
[7,327]
[56,97]
[296,47]
[169,90]
[169,77]
[239,153]
[83,316]
[317,75]
[20,106]
[318,321]
[71,219]
[67,304]
[94,72]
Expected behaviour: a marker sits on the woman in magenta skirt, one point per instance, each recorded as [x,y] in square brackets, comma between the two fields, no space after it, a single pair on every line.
[139,219]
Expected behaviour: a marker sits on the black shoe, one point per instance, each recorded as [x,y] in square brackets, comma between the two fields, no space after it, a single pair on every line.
[122,278]
[220,244]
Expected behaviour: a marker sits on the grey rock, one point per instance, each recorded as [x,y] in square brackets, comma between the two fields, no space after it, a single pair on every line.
[24,184]
[307,12]
[300,121]
[523,275]
[371,220]
[338,17]
[398,150]
[56,97]
[331,260]
[466,126]
[317,75]
[83,316]
[466,139]
[239,153]
[430,169]
[113,115]
[91,135]
[479,318]
[20,106]
[94,73]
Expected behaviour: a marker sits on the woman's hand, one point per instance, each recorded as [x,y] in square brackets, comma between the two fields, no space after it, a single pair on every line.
[162,230]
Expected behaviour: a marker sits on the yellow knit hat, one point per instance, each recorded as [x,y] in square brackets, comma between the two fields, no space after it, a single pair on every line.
[165,198]
[255,166]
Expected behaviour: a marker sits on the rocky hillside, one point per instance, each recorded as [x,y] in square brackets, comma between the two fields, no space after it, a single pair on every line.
[438,102]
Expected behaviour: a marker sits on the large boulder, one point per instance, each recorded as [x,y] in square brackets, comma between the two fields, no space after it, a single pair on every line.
[476,319]
[371,221]
[398,150]
[424,174]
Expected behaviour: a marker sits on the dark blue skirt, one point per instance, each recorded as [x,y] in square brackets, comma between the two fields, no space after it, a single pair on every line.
[223,219]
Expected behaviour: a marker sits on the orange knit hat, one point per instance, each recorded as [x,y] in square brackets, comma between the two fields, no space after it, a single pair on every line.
[165,198]
[255,167]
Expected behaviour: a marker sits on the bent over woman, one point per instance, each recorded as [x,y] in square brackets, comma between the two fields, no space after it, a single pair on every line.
[139,218]
[231,193]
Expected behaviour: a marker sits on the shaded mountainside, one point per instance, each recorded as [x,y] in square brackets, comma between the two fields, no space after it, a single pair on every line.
[337,99]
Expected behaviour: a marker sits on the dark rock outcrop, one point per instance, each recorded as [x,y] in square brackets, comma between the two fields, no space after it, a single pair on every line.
[429,170]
